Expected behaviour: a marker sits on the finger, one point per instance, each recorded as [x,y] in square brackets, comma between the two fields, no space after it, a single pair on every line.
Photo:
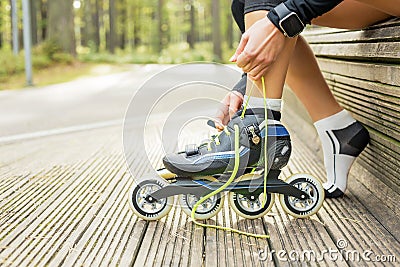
[250,66]
[222,112]
[234,105]
[243,60]
[258,72]
[240,48]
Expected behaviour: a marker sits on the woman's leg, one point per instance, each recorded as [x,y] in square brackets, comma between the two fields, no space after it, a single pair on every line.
[276,75]
[304,76]
[335,127]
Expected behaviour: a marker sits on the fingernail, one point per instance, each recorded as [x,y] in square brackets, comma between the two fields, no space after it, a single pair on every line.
[232,59]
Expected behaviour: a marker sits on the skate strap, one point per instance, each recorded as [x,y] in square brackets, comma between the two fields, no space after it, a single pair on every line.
[272,114]
[191,149]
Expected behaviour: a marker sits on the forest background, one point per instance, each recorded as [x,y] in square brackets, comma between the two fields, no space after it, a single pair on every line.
[69,35]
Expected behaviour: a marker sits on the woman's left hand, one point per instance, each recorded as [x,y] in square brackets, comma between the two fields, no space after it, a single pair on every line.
[258,49]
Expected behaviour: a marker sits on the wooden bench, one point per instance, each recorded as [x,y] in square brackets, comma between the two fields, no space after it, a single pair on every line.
[362,68]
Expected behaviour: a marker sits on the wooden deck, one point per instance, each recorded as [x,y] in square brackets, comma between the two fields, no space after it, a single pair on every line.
[64,203]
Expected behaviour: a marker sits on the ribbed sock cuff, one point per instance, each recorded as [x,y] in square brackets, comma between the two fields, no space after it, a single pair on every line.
[258,102]
[339,120]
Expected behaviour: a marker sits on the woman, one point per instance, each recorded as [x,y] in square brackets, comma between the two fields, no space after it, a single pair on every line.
[271,50]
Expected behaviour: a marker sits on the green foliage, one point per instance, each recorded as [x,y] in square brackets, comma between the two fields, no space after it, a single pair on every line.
[40,61]
[43,56]
[175,53]
[63,58]
[47,48]
[180,53]
[10,64]
[52,51]
[118,58]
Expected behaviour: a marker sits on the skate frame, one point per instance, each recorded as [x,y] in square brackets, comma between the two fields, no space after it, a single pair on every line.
[200,186]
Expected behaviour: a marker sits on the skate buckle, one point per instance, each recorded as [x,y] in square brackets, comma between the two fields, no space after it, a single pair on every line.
[251,131]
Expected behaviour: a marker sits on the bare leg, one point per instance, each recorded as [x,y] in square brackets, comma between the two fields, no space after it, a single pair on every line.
[275,77]
[304,76]
[306,80]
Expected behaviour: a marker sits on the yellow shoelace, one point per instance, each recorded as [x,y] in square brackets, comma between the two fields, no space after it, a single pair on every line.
[233,175]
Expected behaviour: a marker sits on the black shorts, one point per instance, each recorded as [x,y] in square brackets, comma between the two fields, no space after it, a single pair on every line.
[254,5]
[241,7]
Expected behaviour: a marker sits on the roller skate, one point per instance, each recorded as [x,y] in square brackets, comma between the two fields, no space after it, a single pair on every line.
[243,163]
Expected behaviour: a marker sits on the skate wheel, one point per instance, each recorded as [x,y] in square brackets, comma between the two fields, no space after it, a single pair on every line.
[249,205]
[209,208]
[144,208]
[303,208]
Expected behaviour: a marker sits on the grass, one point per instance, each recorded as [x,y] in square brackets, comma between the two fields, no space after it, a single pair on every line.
[60,73]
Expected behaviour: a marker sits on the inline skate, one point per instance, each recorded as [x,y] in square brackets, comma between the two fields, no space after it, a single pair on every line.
[242,163]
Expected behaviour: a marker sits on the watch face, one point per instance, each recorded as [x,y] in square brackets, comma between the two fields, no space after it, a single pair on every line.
[292,25]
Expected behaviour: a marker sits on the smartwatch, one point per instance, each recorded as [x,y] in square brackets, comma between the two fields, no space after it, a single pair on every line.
[289,22]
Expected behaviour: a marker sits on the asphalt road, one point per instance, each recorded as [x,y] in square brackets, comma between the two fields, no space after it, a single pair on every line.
[95,101]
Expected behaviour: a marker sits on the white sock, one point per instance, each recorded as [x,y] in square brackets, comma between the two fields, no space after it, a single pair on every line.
[337,134]
[258,102]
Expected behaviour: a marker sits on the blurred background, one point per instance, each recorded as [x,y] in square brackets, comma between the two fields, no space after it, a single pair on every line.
[69,37]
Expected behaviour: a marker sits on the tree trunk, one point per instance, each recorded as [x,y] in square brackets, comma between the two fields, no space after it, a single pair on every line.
[191,36]
[123,15]
[96,24]
[159,42]
[1,25]
[216,29]
[33,6]
[136,24]
[229,36]
[112,30]
[100,25]
[43,20]
[61,24]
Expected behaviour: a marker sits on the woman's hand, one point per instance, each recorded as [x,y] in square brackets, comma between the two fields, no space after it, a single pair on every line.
[259,48]
[229,106]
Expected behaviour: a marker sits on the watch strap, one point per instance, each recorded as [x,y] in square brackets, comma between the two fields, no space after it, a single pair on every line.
[274,18]
[282,10]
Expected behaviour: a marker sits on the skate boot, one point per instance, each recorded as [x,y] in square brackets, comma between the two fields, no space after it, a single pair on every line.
[242,163]
[217,155]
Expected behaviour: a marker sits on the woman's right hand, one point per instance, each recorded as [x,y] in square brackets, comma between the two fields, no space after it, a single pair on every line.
[229,106]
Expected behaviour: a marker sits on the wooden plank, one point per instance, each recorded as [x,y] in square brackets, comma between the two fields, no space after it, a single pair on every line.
[197,249]
[133,244]
[382,192]
[370,113]
[366,87]
[119,239]
[32,227]
[171,226]
[78,219]
[377,187]
[383,73]
[362,95]
[375,108]
[382,51]
[391,33]
[385,143]
[312,30]
[177,240]
[383,171]
[382,126]
[98,230]
[359,224]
